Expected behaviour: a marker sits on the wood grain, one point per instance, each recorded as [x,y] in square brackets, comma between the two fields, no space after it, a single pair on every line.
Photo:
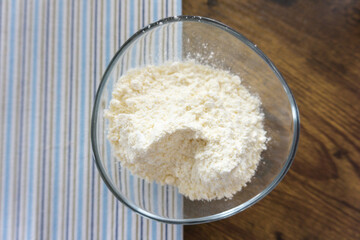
[316,46]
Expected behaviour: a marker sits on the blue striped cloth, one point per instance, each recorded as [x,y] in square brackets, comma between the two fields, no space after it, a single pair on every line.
[52,56]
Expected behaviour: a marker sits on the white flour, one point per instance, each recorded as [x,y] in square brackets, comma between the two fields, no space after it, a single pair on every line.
[187,125]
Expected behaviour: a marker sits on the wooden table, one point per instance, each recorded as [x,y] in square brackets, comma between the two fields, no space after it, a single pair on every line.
[316,46]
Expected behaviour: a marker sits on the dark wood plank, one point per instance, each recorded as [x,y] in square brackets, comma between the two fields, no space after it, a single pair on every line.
[316,46]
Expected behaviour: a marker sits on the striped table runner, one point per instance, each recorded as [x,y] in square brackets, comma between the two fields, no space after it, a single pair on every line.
[52,56]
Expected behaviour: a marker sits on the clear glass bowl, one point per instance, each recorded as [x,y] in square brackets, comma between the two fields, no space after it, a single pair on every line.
[213,43]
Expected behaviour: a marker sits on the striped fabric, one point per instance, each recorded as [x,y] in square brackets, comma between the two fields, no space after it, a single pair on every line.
[52,56]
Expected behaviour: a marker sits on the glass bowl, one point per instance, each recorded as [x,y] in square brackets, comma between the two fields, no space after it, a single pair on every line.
[213,43]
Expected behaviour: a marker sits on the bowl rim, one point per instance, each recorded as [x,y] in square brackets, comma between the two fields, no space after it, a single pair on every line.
[218,216]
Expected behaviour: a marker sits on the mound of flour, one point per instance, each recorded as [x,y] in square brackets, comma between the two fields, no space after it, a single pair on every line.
[187,125]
